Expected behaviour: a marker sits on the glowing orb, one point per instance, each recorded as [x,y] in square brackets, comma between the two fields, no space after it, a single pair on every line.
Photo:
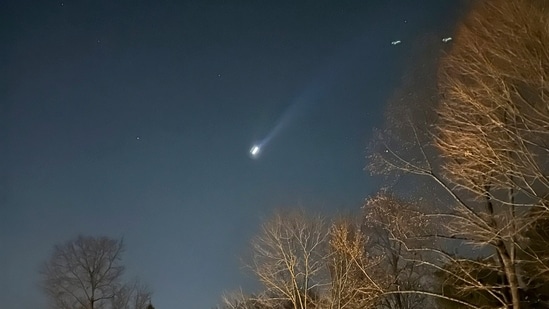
[255,151]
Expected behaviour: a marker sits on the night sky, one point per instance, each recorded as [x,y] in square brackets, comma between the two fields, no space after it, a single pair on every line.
[134,119]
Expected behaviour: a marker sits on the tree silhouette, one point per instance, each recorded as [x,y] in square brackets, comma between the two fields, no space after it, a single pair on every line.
[84,272]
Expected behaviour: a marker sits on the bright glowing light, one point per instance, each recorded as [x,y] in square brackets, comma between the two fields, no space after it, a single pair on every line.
[255,151]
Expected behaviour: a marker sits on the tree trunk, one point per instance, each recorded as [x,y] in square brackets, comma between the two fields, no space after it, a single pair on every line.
[511,274]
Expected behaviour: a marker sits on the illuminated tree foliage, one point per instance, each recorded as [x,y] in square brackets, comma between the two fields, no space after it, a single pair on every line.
[493,126]
[489,150]
[289,258]
[356,278]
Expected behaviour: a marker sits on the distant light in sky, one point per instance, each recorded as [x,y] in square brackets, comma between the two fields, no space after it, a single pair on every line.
[255,151]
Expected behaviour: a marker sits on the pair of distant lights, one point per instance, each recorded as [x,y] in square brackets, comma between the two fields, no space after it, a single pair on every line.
[445,40]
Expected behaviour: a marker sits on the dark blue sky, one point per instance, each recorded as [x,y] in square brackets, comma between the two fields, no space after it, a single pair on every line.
[134,119]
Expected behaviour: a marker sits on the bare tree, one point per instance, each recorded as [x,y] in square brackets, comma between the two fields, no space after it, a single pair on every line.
[477,281]
[493,138]
[393,225]
[494,112]
[238,300]
[493,129]
[133,295]
[83,273]
[356,279]
[289,259]
[305,263]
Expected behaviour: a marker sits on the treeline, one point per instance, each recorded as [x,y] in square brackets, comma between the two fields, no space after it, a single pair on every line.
[475,231]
